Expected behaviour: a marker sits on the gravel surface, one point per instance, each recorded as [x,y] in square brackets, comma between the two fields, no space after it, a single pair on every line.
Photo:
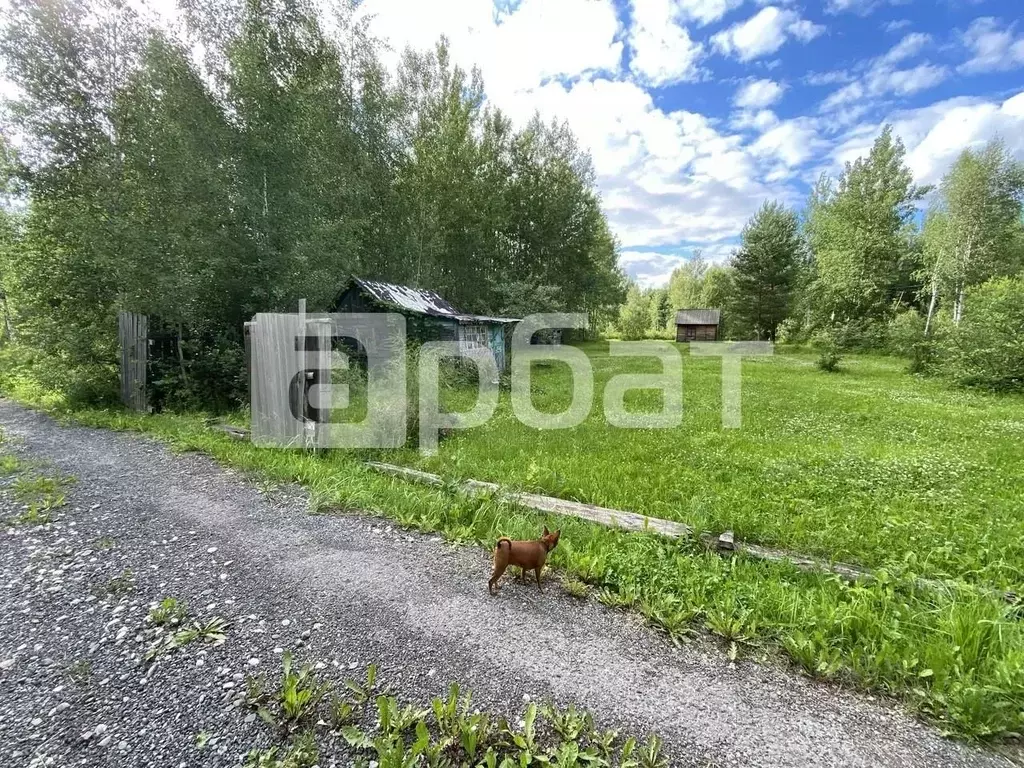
[342,592]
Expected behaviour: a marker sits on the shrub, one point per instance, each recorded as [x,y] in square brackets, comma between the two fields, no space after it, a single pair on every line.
[792,331]
[827,343]
[987,348]
[862,335]
[907,339]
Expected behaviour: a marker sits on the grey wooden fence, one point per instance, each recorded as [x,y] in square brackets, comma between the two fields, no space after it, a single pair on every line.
[276,388]
[133,337]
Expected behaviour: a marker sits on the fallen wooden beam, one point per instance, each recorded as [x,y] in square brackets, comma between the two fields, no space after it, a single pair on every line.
[613,518]
[235,433]
[631,521]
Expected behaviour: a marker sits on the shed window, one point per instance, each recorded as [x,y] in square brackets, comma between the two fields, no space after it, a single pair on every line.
[474,337]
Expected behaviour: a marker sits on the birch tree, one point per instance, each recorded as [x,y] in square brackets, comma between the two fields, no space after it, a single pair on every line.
[970,237]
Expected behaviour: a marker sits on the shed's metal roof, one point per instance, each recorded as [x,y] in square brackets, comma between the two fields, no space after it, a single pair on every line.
[417,300]
[698,316]
[421,301]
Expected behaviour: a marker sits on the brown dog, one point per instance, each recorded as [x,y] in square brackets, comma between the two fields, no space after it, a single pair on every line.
[527,555]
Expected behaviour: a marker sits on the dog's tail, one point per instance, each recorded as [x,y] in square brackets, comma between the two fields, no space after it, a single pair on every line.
[504,540]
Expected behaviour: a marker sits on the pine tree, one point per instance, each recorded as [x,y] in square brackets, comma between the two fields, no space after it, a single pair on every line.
[765,271]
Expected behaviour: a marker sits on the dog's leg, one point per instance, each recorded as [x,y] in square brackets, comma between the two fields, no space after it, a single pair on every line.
[538,578]
[499,569]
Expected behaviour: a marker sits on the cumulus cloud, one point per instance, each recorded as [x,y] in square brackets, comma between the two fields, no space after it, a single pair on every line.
[652,269]
[515,49]
[993,46]
[883,76]
[761,120]
[672,179]
[935,135]
[764,33]
[649,269]
[859,7]
[758,93]
[663,52]
[705,11]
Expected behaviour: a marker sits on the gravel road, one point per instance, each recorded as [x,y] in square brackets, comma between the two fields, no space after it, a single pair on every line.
[342,592]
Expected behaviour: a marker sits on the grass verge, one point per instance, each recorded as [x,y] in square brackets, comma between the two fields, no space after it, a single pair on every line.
[956,657]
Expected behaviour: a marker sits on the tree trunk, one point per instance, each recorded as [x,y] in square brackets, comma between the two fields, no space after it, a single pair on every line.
[958,307]
[7,330]
[181,357]
[931,304]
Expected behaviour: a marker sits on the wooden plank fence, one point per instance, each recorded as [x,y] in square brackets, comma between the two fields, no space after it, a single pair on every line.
[133,338]
[274,362]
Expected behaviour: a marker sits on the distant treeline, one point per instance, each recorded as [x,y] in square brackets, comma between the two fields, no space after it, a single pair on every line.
[857,271]
[284,161]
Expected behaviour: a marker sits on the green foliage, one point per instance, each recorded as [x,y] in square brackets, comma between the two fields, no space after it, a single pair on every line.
[293,162]
[987,348]
[972,233]
[302,753]
[907,339]
[80,672]
[576,588]
[635,315]
[857,229]
[293,704]
[827,342]
[765,271]
[213,632]
[168,611]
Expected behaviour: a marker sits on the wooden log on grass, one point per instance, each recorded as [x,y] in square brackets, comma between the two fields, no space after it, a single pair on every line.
[612,518]
[725,543]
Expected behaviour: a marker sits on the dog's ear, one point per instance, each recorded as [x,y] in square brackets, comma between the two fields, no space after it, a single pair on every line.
[546,531]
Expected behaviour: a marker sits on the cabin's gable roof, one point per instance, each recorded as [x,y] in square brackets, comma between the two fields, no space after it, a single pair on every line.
[698,316]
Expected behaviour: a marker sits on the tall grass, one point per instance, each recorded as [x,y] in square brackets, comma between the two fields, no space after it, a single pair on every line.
[957,657]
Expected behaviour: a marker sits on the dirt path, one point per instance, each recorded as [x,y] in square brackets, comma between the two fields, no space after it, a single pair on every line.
[361,592]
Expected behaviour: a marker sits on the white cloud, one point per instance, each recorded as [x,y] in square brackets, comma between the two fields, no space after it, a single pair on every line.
[993,46]
[648,268]
[791,143]
[935,135]
[860,7]
[896,25]
[909,46]
[652,269]
[828,78]
[515,49]
[705,11]
[663,52]
[673,179]
[757,94]
[882,77]
[761,120]
[764,33]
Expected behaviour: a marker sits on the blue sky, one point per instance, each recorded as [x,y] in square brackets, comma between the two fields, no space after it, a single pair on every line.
[696,111]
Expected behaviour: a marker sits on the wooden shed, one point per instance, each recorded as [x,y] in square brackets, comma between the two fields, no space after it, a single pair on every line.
[698,324]
[429,317]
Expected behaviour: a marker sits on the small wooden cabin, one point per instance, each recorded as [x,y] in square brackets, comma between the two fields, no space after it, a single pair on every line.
[698,324]
[429,317]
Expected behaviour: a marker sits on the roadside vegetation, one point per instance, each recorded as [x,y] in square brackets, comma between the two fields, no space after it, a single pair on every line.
[956,655]
[304,710]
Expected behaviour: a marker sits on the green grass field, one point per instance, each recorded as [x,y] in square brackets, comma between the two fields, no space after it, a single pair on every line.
[869,465]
